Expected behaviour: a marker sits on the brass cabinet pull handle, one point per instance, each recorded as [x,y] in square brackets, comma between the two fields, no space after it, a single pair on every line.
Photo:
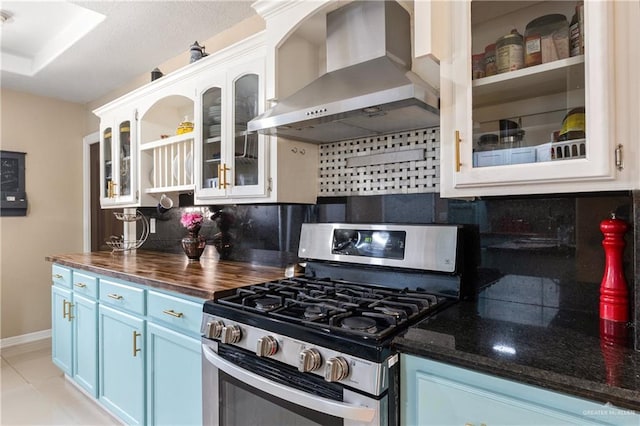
[224,169]
[458,140]
[81,285]
[173,313]
[115,296]
[111,190]
[136,349]
[66,310]
[57,276]
[70,313]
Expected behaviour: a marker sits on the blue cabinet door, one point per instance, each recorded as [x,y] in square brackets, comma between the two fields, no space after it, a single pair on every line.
[434,393]
[85,342]
[122,364]
[61,329]
[174,377]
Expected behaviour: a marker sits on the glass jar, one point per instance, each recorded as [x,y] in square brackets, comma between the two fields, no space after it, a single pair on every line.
[490,60]
[573,125]
[546,39]
[510,52]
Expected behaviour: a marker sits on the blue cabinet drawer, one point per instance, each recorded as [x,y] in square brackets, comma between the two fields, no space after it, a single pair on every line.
[122,296]
[181,314]
[86,285]
[61,276]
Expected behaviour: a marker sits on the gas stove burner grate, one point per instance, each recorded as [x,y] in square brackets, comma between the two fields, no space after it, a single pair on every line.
[335,306]
[308,311]
[267,303]
[398,314]
[362,324]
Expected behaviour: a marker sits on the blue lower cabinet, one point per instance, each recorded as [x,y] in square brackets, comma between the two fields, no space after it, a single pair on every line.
[85,338]
[74,324]
[434,393]
[174,377]
[143,365]
[122,364]
[61,329]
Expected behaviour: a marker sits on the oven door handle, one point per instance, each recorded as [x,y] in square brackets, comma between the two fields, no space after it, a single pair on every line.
[322,405]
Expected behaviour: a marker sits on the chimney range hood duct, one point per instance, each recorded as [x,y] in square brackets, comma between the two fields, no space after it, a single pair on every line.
[369,88]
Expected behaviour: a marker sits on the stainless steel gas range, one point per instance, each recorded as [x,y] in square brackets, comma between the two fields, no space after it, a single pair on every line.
[316,349]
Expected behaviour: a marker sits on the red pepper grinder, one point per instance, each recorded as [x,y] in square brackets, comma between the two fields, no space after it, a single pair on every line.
[614,297]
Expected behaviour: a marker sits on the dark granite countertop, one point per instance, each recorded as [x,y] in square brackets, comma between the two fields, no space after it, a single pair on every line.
[521,328]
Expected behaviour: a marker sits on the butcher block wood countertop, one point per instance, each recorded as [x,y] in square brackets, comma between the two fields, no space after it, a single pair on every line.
[172,272]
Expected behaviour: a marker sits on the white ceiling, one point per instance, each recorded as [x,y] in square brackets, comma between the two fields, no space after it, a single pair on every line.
[79,51]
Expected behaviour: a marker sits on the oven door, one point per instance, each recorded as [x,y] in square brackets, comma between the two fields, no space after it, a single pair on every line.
[263,395]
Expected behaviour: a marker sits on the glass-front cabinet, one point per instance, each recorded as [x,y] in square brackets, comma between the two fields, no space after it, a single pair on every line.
[525,98]
[212,138]
[186,133]
[118,161]
[232,161]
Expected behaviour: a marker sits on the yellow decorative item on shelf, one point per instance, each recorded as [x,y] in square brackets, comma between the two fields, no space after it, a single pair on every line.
[185,127]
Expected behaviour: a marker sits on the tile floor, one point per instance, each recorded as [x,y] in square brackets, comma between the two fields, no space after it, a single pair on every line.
[35,392]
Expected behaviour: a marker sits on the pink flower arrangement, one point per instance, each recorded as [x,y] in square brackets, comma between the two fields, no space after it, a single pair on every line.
[191,220]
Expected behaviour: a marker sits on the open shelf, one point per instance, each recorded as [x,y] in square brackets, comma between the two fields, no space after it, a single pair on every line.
[163,189]
[553,77]
[167,141]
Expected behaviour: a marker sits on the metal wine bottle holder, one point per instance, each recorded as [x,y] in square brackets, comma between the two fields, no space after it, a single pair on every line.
[120,243]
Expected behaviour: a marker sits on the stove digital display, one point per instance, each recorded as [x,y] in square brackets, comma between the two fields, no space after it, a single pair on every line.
[369,243]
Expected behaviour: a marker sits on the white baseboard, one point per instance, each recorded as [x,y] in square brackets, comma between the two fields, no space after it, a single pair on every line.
[25,338]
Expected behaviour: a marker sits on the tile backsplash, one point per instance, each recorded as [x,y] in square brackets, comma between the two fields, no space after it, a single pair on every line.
[401,163]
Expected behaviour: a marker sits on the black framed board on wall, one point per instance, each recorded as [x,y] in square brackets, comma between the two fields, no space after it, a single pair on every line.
[13,194]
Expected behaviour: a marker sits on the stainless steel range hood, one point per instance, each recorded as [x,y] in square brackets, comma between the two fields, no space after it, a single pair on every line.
[369,88]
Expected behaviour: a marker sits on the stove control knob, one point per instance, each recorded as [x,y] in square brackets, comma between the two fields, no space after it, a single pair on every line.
[309,360]
[337,369]
[231,334]
[214,329]
[267,346]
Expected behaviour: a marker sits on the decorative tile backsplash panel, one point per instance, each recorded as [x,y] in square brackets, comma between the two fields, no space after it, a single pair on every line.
[402,163]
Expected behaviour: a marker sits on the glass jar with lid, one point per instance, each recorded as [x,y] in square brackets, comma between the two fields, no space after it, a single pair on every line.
[546,39]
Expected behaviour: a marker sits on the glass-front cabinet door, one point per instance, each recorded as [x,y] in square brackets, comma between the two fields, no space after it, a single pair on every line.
[247,155]
[106,152]
[233,162]
[212,115]
[118,159]
[525,105]
[124,159]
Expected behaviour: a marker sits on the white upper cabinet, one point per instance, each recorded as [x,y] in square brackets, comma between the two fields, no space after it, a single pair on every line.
[187,132]
[232,164]
[545,122]
[232,160]
[118,159]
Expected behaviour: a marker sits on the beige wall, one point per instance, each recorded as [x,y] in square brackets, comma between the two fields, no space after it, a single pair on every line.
[50,132]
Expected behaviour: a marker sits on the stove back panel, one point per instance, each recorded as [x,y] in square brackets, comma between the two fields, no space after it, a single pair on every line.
[426,247]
